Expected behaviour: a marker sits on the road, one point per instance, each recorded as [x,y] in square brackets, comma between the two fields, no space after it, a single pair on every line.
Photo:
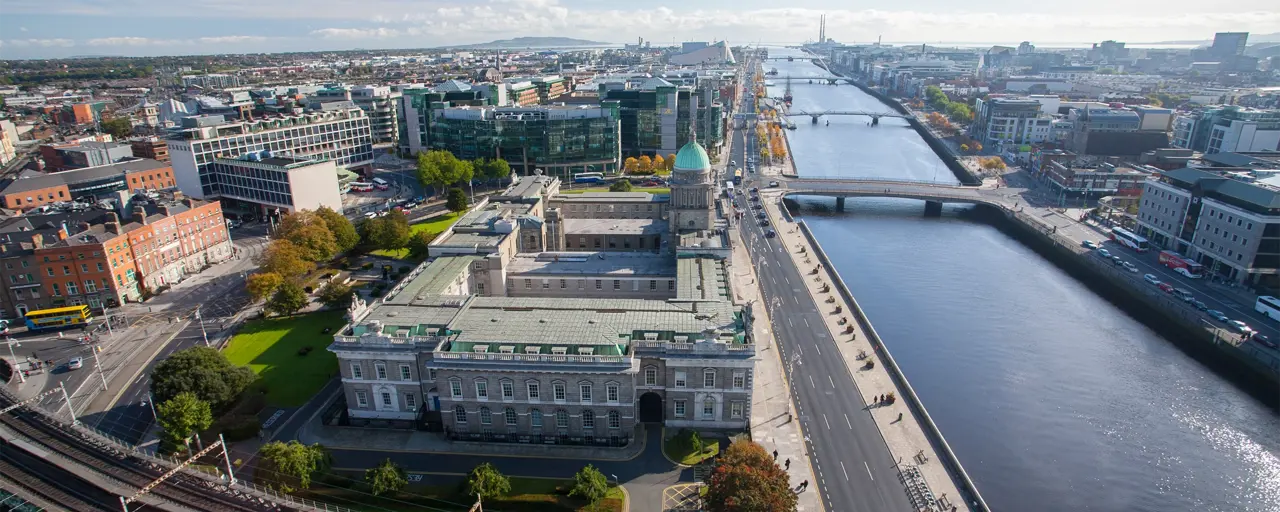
[854,467]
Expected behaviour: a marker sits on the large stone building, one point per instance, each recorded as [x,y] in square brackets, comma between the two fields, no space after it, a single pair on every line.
[550,318]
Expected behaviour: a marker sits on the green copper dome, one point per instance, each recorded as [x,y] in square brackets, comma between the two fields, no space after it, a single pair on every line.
[692,158]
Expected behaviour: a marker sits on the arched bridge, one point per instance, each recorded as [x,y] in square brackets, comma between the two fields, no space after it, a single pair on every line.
[933,193]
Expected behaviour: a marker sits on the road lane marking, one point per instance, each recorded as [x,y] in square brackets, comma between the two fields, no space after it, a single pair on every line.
[864,464]
[847,422]
[846,473]
[811,383]
[815,347]
[824,420]
[833,382]
[806,321]
[789,322]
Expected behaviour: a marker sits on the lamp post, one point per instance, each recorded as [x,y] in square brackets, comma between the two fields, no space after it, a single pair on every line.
[11,342]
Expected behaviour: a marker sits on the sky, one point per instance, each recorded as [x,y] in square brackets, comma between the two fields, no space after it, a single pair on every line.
[62,28]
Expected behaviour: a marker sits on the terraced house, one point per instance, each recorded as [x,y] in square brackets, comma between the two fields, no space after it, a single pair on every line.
[508,334]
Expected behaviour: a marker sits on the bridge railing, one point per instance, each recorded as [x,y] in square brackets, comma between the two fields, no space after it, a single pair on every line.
[872,181]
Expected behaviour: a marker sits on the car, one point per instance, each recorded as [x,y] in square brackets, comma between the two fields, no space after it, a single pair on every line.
[1105,253]
[232,224]
[733,163]
[1199,305]
[762,215]
[370,215]
[1264,340]
[1131,267]
[1239,326]
[1217,315]
[75,363]
[1088,244]
[1117,260]
[1166,287]
[1184,294]
[764,223]
[773,184]
[1186,273]
[410,205]
[770,234]
[756,206]
[1151,278]
[755,190]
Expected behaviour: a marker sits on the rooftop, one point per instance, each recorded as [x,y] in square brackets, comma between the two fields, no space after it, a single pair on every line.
[612,197]
[82,175]
[614,227]
[592,264]
[702,279]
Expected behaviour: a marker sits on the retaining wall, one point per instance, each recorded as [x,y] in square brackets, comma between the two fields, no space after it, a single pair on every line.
[945,454]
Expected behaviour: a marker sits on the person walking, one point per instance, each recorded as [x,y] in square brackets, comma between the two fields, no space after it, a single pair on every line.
[787,465]
[775,455]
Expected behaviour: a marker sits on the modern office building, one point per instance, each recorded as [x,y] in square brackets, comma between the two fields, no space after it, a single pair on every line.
[338,132]
[377,102]
[413,110]
[1010,122]
[263,182]
[60,157]
[560,140]
[1228,129]
[1112,132]
[1229,44]
[498,337]
[657,117]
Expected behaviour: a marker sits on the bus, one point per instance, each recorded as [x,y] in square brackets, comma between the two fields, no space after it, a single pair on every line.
[1175,261]
[1269,306]
[57,319]
[1130,240]
[737,176]
[589,177]
[360,186]
[380,184]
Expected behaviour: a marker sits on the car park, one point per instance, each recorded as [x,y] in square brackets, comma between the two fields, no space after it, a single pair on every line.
[75,363]
[1151,278]
[1131,267]
[1217,315]
[1105,253]
[1166,287]
[1089,244]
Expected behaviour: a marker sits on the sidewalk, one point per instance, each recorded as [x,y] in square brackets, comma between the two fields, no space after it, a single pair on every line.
[771,408]
[905,437]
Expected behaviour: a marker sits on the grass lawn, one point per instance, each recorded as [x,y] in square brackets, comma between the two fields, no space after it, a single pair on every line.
[434,225]
[270,347]
[651,190]
[527,495]
[678,449]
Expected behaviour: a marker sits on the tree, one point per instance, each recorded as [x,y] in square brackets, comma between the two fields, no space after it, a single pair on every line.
[203,371]
[620,186]
[120,127]
[631,165]
[310,233]
[336,295]
[286,259]
[659,163]
[288,299]
[386,477]
[344,232]
[457,200]
[263,284]
[487,482]
[183,416]
[646,163]
[492,168]
[589,484]
[964,148]
[671,162]
[291,465]
[420,243]
[959,112]
[389,232]
[746,479]
[438,168]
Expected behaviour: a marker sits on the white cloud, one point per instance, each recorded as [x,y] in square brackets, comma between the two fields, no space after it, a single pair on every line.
[23,29]
[120,41]
[46,43]
[232,39]
[358,33]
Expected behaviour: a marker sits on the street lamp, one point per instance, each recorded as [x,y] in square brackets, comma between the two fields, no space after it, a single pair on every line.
[11,342]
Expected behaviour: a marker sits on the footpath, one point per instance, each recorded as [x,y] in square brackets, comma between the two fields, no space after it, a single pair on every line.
[773,423]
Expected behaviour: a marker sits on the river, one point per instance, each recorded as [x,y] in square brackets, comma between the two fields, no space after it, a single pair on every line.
[1053,398]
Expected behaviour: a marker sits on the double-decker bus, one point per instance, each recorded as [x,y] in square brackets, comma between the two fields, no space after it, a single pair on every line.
[57,319]
[1129,239]
[1269,306]
[589,177]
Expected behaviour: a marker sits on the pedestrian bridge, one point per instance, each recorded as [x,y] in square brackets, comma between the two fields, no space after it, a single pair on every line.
[933,193]
[875,116]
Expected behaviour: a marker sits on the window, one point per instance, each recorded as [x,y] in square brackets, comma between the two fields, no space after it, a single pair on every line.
[557,390]
[459,414]
[362,399]
[455,388]
[486,417]
[66,271]
[84,267]
[50,271]
[381,370]
[72,289]
[90,286]
[528,284]
[535,418]
[508,390]
[411,401]
[562,419]
[653,284]
[615,419]
[386,399]
[533,391]
[611,392]
[356,372]
[651,376]
[431,373]
[588,419]
[709,408]
[509,415]
[739,380]
[680,379]
[708,378]
[735,410]
[617,284]
[585,390]
[598,285]
[404,372]
[671,285]
[482,389]
[679,408]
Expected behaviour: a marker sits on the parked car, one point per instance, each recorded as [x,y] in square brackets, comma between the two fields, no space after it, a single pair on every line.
[1217,315]
[1105,253]
[773,184]
[770,234]
[1089,244]
[1184,294]
[75,363]
[1166,287]
[370,215]
[1264,340]
[1117,260]
[762,215]
[764,223]
[1131,267]
[1151,278]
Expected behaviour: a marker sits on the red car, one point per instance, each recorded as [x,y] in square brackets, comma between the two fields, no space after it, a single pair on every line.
[1166,287]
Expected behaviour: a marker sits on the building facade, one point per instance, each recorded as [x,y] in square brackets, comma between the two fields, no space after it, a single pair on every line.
[560,140]
[278,182]
[1228,129]
[1010,121]
[105,181]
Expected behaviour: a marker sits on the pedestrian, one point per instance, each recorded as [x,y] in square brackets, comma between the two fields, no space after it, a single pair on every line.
[804,484]
[787,464]
[775,455]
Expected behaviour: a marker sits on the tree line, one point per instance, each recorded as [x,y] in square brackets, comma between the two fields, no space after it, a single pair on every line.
[957,111]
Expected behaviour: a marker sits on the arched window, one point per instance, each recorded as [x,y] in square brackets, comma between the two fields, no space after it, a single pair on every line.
[459,414]
[588,419]
[562,419]
[615,419]
[510,415]
[535,418]
[485,417]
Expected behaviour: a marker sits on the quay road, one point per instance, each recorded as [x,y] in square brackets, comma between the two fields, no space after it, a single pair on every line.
[845,445]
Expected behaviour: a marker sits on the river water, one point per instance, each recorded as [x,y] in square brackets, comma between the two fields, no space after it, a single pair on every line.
[1053,398]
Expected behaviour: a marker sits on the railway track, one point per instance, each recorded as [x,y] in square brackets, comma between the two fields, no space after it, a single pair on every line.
[132,472]
[36,477]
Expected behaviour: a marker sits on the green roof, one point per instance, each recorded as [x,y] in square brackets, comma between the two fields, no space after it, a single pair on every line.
[692,158]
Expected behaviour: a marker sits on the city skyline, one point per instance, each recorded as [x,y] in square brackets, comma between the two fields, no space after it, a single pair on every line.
[151,28]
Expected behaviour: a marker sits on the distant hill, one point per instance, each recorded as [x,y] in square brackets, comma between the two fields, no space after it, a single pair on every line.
[1253,39]
[533,42]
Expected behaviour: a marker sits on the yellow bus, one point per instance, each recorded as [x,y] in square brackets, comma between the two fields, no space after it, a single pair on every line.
[58,319]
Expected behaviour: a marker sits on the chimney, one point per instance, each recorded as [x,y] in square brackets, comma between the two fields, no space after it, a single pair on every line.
[140,215]
[37,240]
[82,226]
[177,195]
[164,210]
[112,227]
[113,217]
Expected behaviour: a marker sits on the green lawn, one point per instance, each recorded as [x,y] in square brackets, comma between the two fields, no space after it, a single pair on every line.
[527,495]
[651,190]
[434,225]
[270,347]
[678,449]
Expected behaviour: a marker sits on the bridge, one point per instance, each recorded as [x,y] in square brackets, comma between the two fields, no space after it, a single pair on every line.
[830,79]
[875,116]
[934,194]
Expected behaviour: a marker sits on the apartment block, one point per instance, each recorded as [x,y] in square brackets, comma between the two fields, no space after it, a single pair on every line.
[171,239]
[1010,121]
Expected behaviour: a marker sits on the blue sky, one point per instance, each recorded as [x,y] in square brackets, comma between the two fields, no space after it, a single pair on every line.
[44,29]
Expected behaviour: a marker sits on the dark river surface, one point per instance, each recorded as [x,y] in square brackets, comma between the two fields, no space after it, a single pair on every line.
[1053,398]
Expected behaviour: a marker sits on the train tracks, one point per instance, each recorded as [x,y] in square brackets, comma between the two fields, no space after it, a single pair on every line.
[107,461]
[38,479]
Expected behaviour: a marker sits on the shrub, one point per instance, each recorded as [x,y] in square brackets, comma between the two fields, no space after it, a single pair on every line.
[304,350]
[245,429]
[368,265]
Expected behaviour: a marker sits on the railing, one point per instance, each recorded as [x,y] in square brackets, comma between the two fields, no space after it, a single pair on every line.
[532,358]
[878,180]
[672,345]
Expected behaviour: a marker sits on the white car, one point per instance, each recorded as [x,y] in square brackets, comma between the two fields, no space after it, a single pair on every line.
[75,363]
[1186,273]
[1131,267]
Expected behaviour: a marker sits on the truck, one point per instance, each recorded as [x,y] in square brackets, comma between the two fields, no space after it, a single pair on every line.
[1176,261]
